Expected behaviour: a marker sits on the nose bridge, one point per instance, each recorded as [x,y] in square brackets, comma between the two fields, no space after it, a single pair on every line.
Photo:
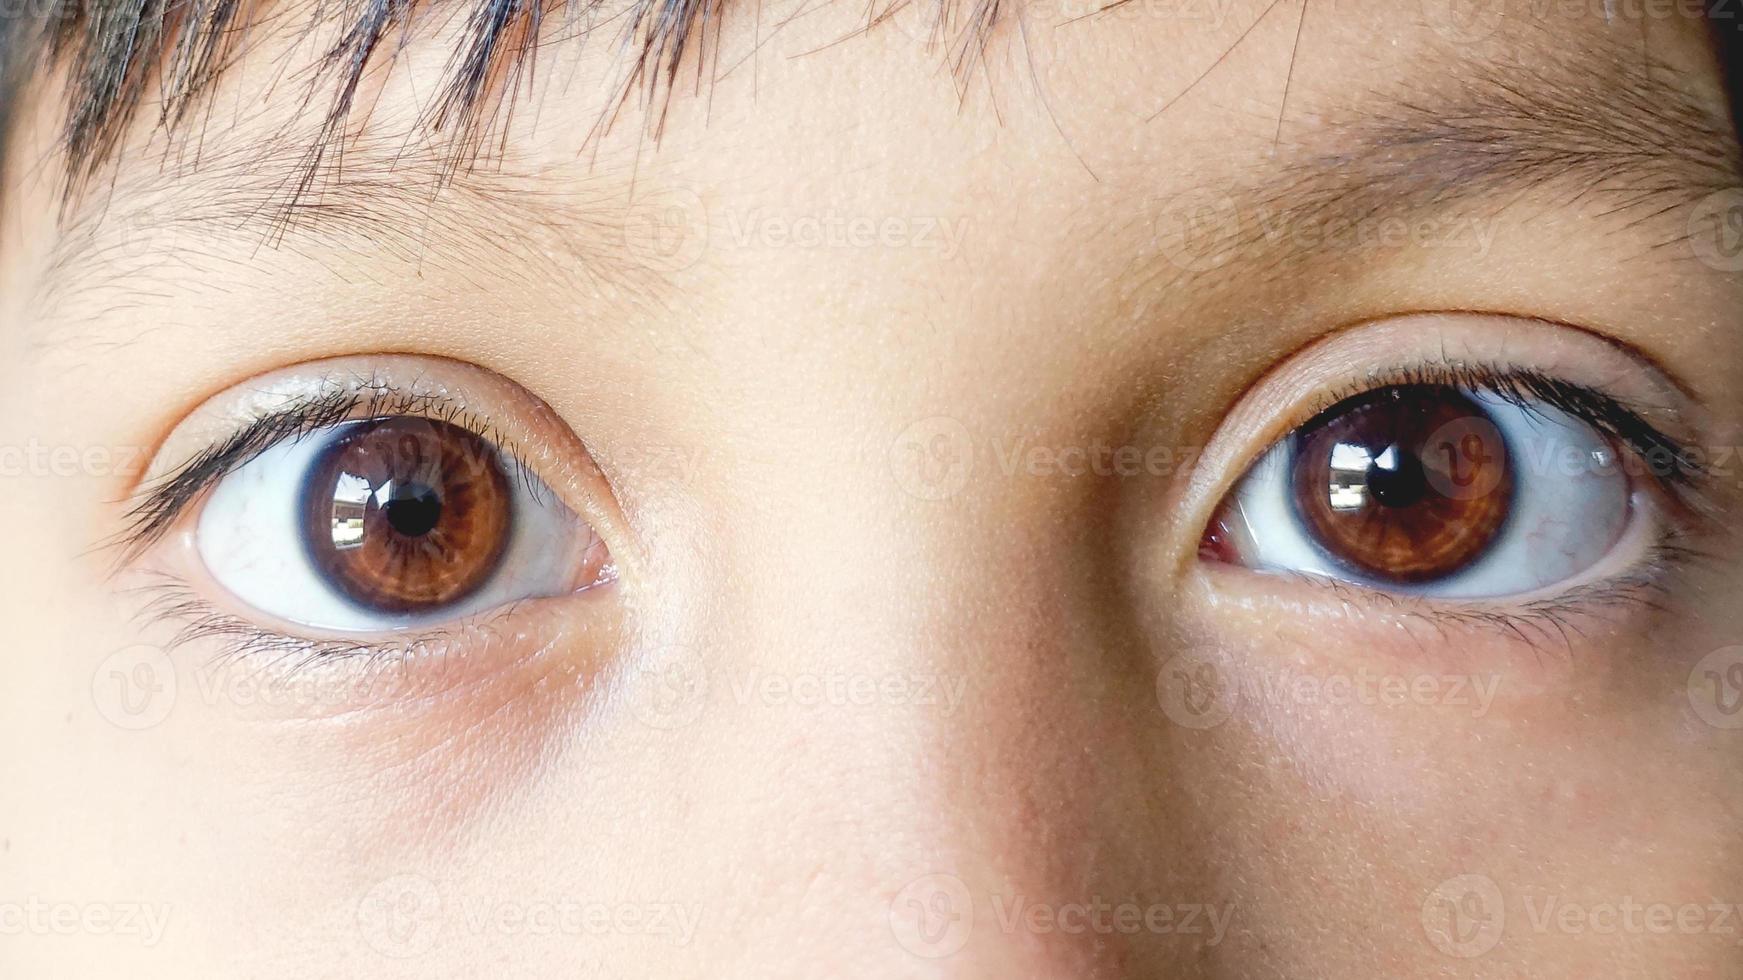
[952,658]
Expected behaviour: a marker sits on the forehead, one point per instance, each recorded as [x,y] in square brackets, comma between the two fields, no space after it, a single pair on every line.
[1039,170]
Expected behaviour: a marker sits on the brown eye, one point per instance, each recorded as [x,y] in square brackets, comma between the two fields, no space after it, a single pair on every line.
[1409,483]
[406,514]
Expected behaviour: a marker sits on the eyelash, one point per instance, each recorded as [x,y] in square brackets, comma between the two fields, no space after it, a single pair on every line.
[1539,623]
[162,503]
[1622,422]
[170,601]
[1648,585]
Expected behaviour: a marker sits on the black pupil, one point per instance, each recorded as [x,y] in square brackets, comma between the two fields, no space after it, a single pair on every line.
[1396,478]
[412,509]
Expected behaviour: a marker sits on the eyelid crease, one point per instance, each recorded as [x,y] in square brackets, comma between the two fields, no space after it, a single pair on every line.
[162,502]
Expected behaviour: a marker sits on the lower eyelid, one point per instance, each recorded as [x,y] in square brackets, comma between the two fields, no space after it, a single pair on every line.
[270,673]
[1539,637]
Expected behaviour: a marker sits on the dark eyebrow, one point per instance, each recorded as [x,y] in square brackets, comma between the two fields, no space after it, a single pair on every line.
[392,200]
[1630,138]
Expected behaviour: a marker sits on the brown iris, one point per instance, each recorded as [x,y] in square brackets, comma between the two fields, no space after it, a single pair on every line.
[406,514]
[1408,483]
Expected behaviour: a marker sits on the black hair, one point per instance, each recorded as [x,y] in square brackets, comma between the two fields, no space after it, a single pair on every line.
[109,51]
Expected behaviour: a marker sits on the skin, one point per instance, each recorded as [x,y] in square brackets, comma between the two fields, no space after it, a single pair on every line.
[752,409]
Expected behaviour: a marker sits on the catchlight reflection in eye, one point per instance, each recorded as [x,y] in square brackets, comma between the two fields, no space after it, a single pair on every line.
[1430,489]
[406,514]
[390,523]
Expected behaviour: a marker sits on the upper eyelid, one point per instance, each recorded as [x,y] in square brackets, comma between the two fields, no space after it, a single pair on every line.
[1686,481]
[160,503]
[1519,385]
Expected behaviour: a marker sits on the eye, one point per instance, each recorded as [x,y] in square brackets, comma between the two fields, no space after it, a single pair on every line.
[389,523]
[1433,489]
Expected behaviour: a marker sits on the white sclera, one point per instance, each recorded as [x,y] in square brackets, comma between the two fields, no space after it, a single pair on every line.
[1570,506]
[250,536]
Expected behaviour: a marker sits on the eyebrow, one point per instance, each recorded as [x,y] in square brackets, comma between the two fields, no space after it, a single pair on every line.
[392,200]
[1606,129]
